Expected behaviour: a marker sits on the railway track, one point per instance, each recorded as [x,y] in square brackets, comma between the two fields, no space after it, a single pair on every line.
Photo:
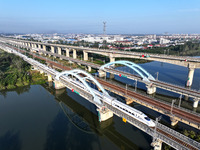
[177,140]
[160,84]
[161,105]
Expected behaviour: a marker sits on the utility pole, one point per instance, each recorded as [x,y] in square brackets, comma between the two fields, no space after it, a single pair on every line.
[179,105]
[157,75]
[126,89]
[173,101]
[155,129]
[135,85]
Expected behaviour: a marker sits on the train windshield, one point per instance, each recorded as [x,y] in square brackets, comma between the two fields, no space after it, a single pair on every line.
[147,118]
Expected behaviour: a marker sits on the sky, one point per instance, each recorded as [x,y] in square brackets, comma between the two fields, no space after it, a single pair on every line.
[87,16]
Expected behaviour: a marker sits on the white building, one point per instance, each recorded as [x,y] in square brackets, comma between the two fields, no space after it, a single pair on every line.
[164,41]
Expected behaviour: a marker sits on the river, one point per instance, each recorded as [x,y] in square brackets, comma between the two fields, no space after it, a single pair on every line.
[40,117]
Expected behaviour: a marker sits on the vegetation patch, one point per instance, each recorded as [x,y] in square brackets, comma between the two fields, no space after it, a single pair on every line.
[14,72]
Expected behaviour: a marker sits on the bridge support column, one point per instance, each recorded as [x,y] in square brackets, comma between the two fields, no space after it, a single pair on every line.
[88,68]
[67,52]
[151,89]
[85,55]
[102,73]
[129,101]
[104,114]
[59,52]
[52,49]
[29,44]
[39,47]
[196,102]
[58,85]
[173,121]
[112,59]
[112,76]
[74,54]
[157,144]
[190,76]
[49,78]
[44,48]
[41,71]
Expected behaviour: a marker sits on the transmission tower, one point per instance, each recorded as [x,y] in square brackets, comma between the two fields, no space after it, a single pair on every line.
[104,28]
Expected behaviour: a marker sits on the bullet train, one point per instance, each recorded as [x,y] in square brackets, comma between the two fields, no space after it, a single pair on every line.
[130,111]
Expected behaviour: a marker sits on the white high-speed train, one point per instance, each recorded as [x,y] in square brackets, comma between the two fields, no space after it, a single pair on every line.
[130,111]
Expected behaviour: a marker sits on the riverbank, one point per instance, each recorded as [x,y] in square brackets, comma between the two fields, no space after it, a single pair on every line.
[14,72]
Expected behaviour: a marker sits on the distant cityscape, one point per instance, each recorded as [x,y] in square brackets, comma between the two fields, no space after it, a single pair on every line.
[126,42]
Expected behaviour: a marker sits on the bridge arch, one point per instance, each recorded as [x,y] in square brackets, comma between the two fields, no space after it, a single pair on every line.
[76,73]
[141,71]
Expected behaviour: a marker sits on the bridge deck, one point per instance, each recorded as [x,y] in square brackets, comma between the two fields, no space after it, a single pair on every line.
[160,84]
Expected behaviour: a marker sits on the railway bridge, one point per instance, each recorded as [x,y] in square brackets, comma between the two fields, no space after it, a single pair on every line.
[160,133]
[189,62]
[142,75]
[183,115]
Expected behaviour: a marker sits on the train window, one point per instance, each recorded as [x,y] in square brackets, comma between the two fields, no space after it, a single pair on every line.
[147,118]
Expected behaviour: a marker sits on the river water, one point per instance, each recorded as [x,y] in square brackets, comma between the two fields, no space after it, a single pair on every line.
[40,117]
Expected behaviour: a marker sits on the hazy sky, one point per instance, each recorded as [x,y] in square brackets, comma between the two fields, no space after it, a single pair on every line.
[87,16]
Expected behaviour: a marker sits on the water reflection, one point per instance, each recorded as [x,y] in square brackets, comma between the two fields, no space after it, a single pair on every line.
[112,129]
[18,90]
[10,141]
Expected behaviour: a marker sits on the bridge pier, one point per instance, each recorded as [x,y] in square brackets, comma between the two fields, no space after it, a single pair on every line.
[74,54]
[129,101]
[195,103]
[41,71]
[157,144]
[49,78]
[39,47]
[85,55]
[59,52]
[112,76]
[67,52]
[102,73]
[52,50]
[44,48]
[58,85]
[173,121]
[88,68]
[112,59]
[104,114]
[190,75]
[151,89]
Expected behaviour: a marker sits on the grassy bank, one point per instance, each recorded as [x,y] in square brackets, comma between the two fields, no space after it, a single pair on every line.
[14,72]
